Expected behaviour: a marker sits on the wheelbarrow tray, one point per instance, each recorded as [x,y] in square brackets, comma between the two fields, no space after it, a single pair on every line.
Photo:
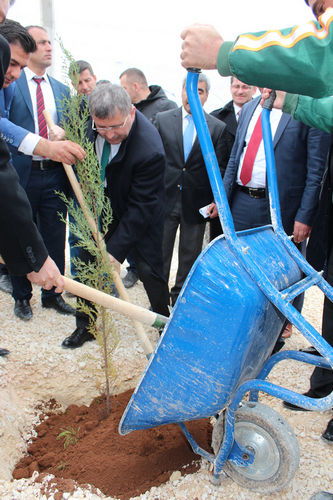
[220,333]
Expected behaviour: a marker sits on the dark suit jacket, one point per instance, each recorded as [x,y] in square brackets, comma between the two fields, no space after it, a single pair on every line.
[227,115]
[21,113]
[321,238]
[300,155]
[136,188]
[21,245]
[192,174]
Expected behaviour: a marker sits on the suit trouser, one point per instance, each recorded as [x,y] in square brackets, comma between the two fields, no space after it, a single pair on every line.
[321,381]
[155,286]
[190,245]
[215,228]
[248,213]
[46,206]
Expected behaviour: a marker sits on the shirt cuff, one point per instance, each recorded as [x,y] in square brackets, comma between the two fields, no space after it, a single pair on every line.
[290,104]
[222,63]
[29,143]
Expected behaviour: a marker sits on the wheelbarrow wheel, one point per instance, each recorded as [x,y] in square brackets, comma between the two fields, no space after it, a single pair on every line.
[269,436]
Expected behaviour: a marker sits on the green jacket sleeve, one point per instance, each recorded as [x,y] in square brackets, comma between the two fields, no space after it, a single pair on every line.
[316,113]
[298,60]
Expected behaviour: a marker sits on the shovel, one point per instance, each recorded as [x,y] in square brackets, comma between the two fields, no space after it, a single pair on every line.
[97,236]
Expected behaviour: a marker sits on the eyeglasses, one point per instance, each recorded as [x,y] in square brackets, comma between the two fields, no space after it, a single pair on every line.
[106,129]
[243,87]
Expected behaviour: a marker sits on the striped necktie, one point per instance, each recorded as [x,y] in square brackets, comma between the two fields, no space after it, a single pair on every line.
[40,108]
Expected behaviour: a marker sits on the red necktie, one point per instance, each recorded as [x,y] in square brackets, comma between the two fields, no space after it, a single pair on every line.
[40,108]
[251,153]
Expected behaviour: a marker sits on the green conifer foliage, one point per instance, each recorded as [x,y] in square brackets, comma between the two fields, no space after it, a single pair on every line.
[98,272]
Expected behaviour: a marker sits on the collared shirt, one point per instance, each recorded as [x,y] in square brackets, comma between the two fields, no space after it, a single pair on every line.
[237,110]
[258,179]
[99,143]
[30,141]
[185,123]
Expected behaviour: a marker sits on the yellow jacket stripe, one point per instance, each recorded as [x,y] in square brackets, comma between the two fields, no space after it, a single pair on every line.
[286,39]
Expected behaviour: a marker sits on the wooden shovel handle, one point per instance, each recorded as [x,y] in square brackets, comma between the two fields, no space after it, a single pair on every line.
[135,312]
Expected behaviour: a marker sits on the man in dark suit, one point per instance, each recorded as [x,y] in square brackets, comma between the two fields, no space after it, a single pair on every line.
[40,177]
[187,184]
[130,150]
[300,154]
[21,246]
[229,114]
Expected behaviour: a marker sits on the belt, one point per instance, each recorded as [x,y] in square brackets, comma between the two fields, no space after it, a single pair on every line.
[45,164]
[253,192]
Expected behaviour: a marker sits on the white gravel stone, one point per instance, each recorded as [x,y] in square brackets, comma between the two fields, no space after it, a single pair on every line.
[39,369]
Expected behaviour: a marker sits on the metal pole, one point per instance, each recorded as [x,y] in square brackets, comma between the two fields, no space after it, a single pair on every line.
[47,22]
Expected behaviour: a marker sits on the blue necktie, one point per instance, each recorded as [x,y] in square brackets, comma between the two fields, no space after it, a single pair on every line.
[188,137]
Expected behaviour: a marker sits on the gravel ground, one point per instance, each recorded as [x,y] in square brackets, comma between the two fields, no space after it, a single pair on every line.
[38,369]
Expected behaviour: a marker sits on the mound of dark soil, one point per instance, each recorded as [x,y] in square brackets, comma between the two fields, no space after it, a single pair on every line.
[120,466]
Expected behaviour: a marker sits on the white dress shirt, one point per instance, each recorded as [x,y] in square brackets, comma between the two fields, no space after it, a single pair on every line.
[31,140]
[258,179]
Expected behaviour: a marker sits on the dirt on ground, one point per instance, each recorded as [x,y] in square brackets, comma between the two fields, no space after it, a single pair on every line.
[119,466]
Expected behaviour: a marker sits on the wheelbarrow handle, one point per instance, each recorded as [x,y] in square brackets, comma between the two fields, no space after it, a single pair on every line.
[208,153]
[273,192]
[268,103]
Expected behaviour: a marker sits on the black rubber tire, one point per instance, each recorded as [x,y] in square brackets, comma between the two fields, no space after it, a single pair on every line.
[267,434]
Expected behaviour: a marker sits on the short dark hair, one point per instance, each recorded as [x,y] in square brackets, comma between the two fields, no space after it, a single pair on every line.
[16,34]
[82,66]
[307,2]
[135,75]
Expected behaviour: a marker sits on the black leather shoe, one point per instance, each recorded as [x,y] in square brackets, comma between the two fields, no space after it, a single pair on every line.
[60,306]
[310,350]
[77,339]
[130,279]
[23,310]
[290,406]
[328,434]
[4,352]
[6,284]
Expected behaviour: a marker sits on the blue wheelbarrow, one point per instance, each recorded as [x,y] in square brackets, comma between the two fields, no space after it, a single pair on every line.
[217,344]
